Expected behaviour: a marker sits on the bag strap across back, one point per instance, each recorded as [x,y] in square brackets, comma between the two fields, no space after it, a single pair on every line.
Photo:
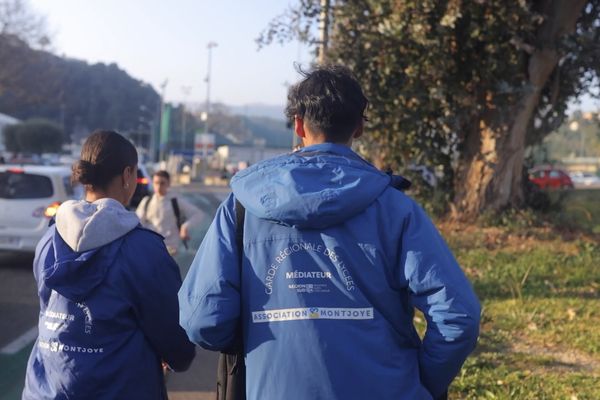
[231,370]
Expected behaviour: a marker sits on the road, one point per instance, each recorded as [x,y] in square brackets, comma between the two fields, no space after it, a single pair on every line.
[19,309]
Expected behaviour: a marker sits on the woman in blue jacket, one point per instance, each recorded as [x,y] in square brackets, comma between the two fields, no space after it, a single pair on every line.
[108,291]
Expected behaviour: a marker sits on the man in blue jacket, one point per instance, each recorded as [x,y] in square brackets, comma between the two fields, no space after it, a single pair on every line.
[335,259]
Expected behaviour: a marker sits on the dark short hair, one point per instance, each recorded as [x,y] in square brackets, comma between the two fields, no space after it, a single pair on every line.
[104,155]
[330,100]
[162,174]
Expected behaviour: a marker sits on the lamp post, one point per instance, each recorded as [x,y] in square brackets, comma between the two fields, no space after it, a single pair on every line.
[209,46]
[199,162]
[161,145]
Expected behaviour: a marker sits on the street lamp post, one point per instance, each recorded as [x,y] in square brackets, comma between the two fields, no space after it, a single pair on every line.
[209,46]
[161,145]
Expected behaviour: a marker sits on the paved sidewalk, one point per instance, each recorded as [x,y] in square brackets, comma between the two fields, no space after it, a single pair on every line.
[199,382]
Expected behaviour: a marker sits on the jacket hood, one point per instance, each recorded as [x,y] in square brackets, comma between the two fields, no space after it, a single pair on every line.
[85,226]
[86,245]
[315,187]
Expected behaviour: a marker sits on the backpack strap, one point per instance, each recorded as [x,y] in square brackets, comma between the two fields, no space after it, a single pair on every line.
[231,369]
[240,214]
[146,204]
[398,182]
[177,212]
[178,219]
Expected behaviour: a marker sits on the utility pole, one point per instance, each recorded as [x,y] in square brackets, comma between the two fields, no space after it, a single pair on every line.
[200,163]
[209,46]
[161,146]
[323,31]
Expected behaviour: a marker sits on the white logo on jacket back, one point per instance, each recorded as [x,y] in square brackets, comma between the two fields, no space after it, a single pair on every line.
[283,255]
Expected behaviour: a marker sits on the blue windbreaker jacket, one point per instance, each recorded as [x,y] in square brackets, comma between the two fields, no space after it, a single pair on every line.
[335,260]
[108,314]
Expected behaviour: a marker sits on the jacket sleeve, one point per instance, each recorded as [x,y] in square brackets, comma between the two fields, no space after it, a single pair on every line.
[154,281]
[192,214]
[209,300]
[440,290]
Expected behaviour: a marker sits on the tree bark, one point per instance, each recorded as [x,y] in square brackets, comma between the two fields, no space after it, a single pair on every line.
[489,176]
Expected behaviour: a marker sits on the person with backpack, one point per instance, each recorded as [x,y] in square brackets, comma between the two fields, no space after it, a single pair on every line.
[167,214]
[108,291]
[313,267]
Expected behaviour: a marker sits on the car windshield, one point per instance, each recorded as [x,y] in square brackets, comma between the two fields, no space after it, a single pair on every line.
[24,186]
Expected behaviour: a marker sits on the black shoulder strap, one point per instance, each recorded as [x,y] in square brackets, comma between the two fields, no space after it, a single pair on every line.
[398,182]
[240,213]
[146,204]
[231,370]
[177,212]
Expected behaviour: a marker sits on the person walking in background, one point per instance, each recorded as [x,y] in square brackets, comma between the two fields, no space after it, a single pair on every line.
[167,214]
[108,291]
[334,260]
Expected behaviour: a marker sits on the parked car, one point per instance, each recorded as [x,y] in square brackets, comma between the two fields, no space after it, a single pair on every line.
[29,197]
[585,179]
[143,188]
[547,177]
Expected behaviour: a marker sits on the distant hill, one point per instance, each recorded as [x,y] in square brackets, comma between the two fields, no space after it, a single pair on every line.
[274,111]
[77,95]
[275,132]
[259,110]
[245,130]
[82,97]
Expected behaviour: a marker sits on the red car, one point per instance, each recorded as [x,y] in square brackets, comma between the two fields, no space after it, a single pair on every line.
[550,178]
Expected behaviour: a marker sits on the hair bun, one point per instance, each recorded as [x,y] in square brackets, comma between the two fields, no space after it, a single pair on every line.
[85,172]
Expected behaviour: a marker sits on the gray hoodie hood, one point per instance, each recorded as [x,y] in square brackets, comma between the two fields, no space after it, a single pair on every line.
[85,226]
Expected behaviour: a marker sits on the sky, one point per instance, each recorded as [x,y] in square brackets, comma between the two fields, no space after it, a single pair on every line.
[158,40]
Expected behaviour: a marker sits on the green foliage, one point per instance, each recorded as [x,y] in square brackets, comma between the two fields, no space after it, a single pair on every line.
[439,73]
[540,332]
[580,209]
[498,376]
[34,136]
[18,21]
[573,210]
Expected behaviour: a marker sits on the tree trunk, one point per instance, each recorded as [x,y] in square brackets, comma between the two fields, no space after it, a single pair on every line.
[489,176]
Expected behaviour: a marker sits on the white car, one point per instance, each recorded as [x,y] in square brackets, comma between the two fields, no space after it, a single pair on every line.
[584,179]
[29,198]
